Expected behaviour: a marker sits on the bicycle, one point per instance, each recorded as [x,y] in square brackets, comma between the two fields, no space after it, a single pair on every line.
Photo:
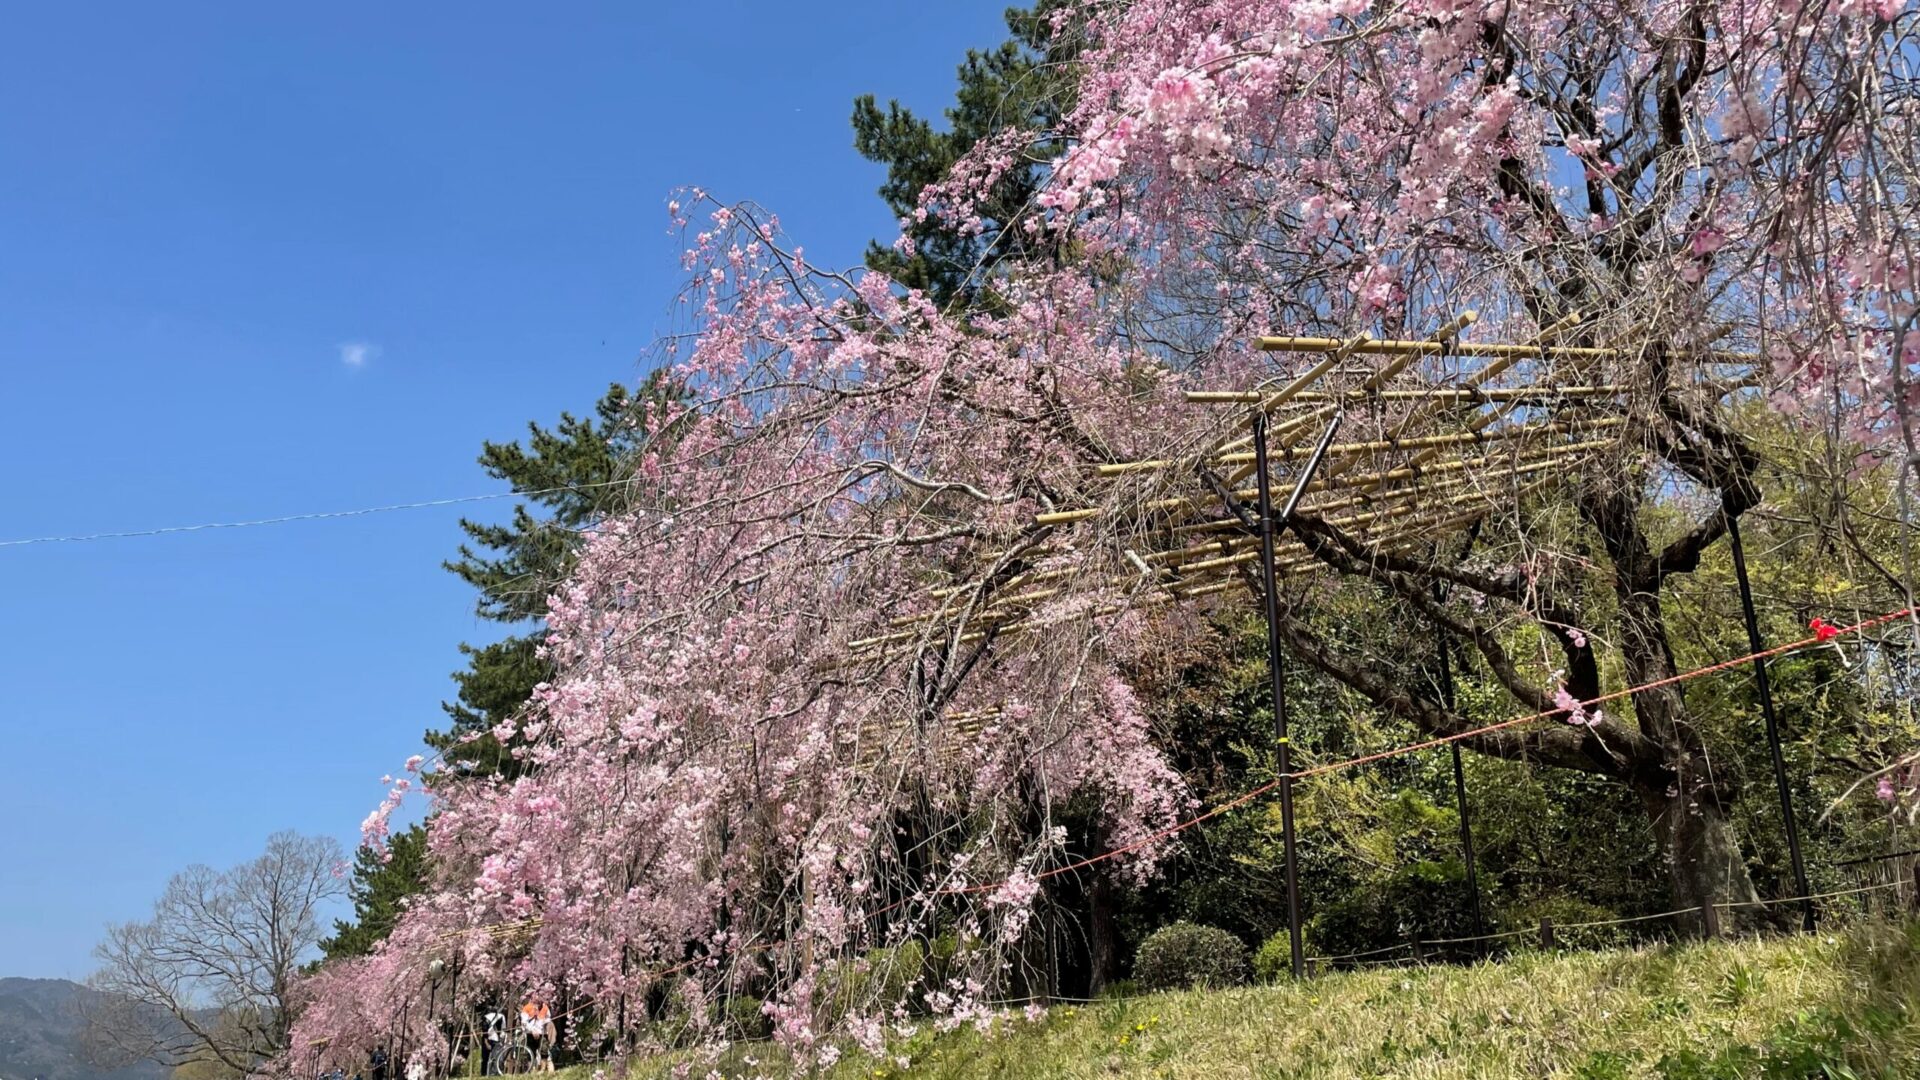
[518,1056]
[513,1057]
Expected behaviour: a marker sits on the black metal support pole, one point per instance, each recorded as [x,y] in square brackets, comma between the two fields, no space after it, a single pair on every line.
[1270,529]
[1773,727]
[1460,787]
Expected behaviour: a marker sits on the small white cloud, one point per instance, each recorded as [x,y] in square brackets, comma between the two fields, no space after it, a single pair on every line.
[357,354]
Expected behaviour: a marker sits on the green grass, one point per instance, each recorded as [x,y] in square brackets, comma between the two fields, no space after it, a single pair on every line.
[1842,1004]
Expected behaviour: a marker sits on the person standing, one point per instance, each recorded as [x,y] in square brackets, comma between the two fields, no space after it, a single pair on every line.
[537,1021]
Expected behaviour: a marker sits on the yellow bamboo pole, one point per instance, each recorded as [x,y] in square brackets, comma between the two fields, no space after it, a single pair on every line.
[1426,348]
[1175,557]
[1429,409]
[1481,378]
[1515,466]
[1396,541]
[1452,393]
[1525,467]
[1180,591]
[1064,517]
[1440,339]
[1558,427]
[1190,560]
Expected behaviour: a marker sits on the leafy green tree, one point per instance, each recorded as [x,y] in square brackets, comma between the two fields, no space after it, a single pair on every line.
[379,889]
[573,474]
[1024,83]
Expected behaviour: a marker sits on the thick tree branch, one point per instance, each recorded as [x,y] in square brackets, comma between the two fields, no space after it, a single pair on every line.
[1608,749]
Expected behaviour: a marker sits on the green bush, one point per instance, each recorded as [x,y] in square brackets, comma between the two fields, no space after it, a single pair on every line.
[1273,961]
[1186,955]
[1427,899]
[745,1020]
[1567,912]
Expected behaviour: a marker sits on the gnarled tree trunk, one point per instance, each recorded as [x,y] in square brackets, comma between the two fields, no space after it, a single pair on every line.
[1660,755]
[1686,792]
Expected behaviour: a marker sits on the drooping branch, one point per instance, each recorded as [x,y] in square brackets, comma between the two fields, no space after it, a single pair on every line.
[1607,748]
[1350,557]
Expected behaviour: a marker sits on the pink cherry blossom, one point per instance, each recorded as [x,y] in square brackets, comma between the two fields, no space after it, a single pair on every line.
[795,723]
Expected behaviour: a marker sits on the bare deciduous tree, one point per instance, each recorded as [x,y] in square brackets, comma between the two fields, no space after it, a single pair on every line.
[207,978]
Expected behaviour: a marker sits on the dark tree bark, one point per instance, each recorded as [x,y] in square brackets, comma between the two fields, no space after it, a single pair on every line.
[1660,756]
[1103,934]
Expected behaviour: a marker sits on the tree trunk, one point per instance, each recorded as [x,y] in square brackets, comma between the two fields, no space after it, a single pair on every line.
[1103,934]
[1685,792]
[1703,857]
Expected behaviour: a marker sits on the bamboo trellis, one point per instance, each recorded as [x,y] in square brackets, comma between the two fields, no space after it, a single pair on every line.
[1449,432]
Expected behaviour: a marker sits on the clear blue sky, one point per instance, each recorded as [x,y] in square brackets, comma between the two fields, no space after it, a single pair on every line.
[201,206]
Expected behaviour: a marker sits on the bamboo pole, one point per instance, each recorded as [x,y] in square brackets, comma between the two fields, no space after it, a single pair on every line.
[1269,402]
[1425,348]
[1460,464]
[1519,467]
[1522,393]
[1412,536]
[1399,510]
[1481,378]
[1558,427]
[1440,339]
[1412,494]
[1199,558]
[1180,590]
[1066,517]
[1176,557]
[1486,374]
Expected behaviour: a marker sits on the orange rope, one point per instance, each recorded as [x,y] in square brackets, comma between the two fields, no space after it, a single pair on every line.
[1823,634]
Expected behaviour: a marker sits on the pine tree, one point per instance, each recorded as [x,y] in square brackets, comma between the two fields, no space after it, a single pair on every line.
[1024,83]
[381,883]
[574,473]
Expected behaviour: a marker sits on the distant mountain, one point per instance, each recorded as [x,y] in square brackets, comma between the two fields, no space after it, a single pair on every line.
[40,1034]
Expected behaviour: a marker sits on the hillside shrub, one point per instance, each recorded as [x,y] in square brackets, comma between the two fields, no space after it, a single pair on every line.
[1273,961]
[746,1018]
[1568,913]
[1427,899]
[1185,955]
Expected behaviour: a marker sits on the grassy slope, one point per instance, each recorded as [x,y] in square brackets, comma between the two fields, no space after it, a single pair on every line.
[1778,1008]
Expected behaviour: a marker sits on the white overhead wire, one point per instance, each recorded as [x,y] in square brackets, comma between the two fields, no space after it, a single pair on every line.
[320,516]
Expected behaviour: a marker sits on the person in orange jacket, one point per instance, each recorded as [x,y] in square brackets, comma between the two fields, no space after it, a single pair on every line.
[537,1021]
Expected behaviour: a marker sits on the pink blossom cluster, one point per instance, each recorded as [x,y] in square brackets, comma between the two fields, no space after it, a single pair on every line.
[723,790]
[1743,167]
[791,727]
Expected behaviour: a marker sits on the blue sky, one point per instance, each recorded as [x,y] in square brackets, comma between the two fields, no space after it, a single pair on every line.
[270,259]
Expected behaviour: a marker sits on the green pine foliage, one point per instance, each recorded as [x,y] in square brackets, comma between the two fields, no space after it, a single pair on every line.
[1022,84]
[574,473]
[379,890]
